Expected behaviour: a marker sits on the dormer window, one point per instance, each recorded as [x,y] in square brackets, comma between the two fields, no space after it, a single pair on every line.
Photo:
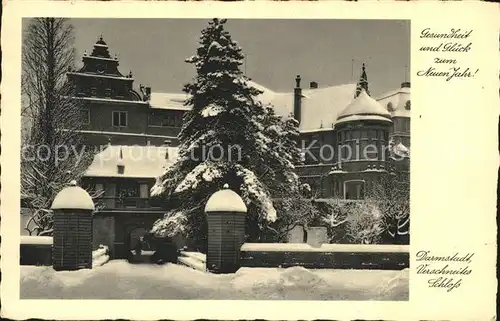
[100,69]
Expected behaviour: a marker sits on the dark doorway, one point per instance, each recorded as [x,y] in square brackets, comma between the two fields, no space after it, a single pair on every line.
[140,245]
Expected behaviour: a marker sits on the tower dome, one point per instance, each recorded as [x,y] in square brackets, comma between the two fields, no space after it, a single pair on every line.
[364,107]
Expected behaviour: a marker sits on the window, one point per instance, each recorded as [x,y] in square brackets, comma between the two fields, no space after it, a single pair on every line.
[126,193]
[406,123]
[120,119]
[371,151]
[144,191]
[107,92]
[99,188]
[354,190]
[168,121]
[93,91]
[85,115]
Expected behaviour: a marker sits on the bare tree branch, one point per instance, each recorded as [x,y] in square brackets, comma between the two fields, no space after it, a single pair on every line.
[52,149]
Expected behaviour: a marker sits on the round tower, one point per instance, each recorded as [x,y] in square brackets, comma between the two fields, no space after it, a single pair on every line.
[363,155]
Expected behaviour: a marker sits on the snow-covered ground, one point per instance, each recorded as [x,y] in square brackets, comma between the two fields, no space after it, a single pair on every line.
[121,280]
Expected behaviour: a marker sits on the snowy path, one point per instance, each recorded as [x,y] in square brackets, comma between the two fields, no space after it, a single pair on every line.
[121,280]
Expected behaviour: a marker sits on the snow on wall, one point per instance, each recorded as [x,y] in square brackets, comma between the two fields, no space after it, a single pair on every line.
[302,247]
[38,240]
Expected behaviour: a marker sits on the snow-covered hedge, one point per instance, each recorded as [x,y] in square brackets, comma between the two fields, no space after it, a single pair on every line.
[100,256]
[330,256]
[302,247]
[36,240]
[36,250]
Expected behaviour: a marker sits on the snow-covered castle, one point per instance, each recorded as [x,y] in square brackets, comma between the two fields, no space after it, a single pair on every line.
[133,123]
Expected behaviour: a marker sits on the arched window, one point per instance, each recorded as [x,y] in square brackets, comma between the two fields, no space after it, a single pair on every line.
[408,105]
[390,107]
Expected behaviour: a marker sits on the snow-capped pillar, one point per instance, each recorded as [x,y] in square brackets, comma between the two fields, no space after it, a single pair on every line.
[226,215]
[72,246]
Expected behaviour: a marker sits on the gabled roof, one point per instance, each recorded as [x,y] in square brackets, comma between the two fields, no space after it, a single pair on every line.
[138,161]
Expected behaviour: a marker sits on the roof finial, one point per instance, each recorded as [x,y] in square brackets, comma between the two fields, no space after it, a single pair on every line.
[297,81]
[85,53]
[130,74]
[362,83]
[100,37]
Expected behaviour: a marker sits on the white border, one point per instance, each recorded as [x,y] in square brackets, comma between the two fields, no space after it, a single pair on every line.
[442,222]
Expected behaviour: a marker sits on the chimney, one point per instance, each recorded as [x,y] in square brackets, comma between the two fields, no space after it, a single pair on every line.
[167,144]
[406,84]
[297,99]
[313,85]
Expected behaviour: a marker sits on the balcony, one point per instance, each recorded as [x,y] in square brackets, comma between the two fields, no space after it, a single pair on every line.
[128,203]
[362,166]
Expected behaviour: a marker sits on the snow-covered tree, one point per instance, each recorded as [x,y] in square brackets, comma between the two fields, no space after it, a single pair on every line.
[392,195]
[228,136]
[356,222]
[51,154]
[364,223]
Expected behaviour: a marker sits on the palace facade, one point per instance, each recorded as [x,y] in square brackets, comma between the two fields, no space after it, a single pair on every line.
[128,121]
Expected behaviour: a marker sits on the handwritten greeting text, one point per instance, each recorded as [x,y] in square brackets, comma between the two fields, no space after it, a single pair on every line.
[450,45]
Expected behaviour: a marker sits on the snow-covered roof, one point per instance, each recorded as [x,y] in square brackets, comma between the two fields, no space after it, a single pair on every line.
[362,117]
[173,101]
[395,101]
[225,200]
[365,106]
[138,161]
[320,106]
[73,197]
[401,150]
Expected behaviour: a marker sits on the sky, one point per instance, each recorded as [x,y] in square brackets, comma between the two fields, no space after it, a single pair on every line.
[277,50]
